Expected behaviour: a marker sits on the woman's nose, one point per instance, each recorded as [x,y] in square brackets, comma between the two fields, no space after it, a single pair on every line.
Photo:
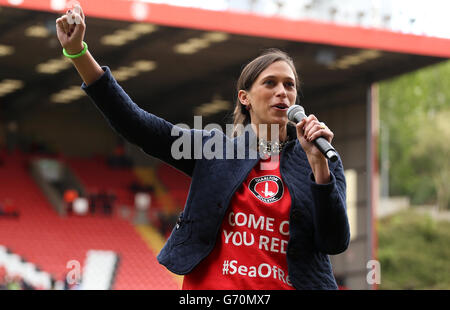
[280,91]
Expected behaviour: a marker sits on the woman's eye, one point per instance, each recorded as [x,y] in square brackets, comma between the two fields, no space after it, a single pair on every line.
[289,84]
[269,82]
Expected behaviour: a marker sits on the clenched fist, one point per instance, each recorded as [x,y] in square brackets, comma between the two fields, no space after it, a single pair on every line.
[70,29]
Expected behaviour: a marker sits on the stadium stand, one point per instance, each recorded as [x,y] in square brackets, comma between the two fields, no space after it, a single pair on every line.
[38,235]
[177,183]
[97,176]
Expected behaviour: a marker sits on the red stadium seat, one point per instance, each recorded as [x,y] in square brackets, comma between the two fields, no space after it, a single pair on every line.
[49,241]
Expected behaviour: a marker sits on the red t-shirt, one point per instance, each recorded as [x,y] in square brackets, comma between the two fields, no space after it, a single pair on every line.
[250,252]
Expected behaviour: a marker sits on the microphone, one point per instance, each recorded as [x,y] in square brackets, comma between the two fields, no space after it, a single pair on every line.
[295,114]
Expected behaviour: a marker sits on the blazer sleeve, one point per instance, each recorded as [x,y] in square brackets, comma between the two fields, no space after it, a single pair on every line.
[332,229]
[154,135]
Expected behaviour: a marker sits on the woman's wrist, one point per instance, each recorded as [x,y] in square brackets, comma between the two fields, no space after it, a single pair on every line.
[75,50]
[320,169]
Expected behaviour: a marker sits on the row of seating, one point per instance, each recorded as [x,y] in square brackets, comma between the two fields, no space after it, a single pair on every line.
[41,236]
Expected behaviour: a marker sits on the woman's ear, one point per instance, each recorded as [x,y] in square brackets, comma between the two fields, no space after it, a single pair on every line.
[243,98]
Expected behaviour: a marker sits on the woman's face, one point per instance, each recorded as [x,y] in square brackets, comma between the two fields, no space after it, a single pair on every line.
[272,93]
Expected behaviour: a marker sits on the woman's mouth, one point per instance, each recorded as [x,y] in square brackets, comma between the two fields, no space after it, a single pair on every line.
[280,106]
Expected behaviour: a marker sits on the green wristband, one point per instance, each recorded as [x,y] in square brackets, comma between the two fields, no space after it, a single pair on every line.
[76,55]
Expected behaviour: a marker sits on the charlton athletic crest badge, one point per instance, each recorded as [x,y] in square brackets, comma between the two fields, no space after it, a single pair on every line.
[268,188]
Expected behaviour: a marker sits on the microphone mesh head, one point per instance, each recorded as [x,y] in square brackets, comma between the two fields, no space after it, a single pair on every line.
[294,109]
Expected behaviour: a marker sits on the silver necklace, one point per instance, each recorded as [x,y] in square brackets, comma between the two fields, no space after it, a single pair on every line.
[269,148]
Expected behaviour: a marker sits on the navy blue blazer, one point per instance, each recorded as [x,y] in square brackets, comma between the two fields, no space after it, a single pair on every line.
[318,223]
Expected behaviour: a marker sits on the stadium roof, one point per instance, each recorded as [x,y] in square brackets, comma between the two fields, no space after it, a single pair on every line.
[188,58]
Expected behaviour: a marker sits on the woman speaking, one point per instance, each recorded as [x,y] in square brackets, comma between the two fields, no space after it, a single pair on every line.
[250,222]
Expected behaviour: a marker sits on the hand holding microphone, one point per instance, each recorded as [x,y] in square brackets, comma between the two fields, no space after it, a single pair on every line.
[296,113]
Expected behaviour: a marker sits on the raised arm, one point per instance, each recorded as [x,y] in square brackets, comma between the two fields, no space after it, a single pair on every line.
[152,134]
[70,29]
